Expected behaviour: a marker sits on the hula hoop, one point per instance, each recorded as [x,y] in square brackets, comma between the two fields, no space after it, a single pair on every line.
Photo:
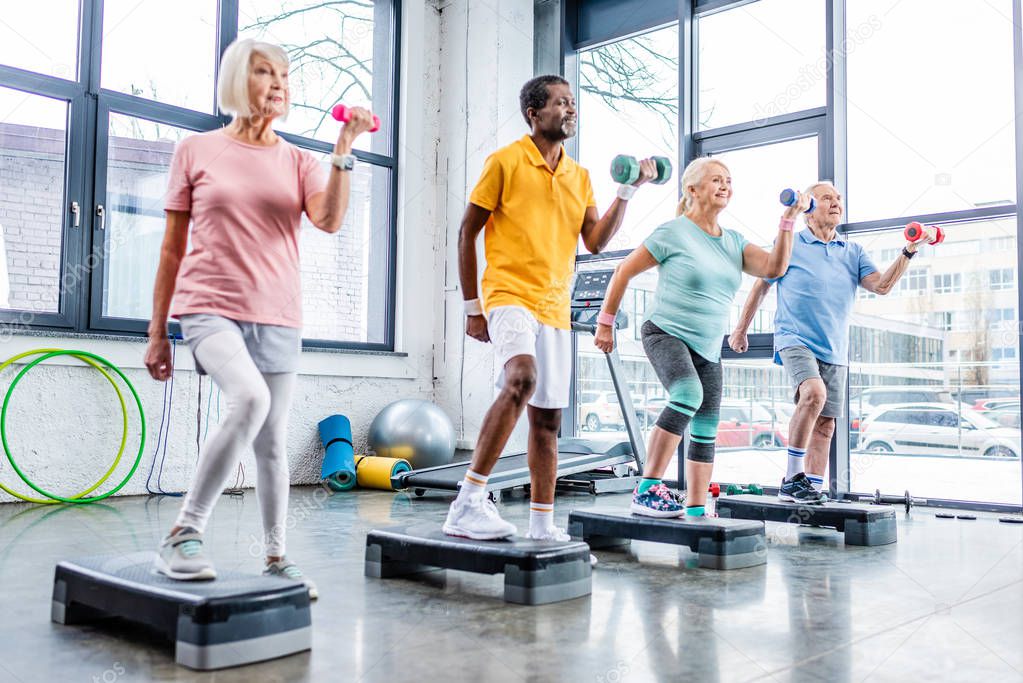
[95,360]
[124,432]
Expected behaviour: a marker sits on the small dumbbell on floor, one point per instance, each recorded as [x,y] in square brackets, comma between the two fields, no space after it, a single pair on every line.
[625,169]
[751,489]
[905,499]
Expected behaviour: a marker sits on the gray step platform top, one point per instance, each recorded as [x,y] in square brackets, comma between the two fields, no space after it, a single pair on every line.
[133,572]
[831,514]
[720,543]
[617,521]
[426,544]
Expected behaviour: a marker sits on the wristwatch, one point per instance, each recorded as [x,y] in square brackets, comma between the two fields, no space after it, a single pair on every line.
[344,162]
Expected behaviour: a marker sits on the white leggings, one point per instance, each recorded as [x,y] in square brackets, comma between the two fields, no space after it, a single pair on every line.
[257,416]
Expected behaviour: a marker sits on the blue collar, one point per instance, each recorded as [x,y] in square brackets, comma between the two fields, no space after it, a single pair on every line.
[807,236]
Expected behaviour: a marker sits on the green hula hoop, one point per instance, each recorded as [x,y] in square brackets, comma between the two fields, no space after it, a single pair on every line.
[124,431]
[84,356]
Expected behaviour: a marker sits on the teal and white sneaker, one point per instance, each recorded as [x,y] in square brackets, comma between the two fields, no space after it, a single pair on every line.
[183,558]
[287,569]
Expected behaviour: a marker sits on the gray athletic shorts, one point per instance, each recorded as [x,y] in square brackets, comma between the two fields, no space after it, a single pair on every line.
[803,365]
[273,348]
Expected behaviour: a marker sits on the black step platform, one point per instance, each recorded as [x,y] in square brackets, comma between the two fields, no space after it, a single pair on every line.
[535,572]
[862,524]
[235,619]
[720,543]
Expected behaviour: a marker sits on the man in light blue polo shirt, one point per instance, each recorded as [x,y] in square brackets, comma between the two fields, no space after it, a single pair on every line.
[811,332]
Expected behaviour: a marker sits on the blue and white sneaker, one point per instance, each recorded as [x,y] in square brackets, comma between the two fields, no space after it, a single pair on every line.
[658,501]
[798,489]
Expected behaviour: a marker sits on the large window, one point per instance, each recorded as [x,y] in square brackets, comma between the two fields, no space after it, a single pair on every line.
[934,379]
[787,74]
[33,144]
[911,149]
[776,90]
[628,104]
[84,168]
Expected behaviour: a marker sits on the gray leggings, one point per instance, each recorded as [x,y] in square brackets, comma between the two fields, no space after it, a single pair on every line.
[694,390]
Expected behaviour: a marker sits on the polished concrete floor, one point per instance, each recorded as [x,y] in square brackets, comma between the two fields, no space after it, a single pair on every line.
[945,603]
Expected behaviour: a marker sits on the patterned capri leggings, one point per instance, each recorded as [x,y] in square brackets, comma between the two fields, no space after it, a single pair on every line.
[694,390]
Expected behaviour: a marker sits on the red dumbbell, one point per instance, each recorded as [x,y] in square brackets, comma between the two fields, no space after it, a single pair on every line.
[714,490]
[915,232]
[342,113]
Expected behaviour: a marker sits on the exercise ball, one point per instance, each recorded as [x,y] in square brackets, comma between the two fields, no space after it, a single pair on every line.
[415,430]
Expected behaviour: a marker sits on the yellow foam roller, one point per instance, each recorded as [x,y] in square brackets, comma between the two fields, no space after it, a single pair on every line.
[375,472]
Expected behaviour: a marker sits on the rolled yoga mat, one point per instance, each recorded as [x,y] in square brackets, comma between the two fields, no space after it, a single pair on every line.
[338,469]
[375,472]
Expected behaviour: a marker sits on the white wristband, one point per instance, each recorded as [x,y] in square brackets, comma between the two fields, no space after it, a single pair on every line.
[473,307]
[626,191]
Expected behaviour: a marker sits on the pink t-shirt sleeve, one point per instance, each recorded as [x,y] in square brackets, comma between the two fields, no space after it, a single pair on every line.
[313,177]
[179,186]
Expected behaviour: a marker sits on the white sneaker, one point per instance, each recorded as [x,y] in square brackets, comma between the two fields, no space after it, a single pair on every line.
[289,570]
[182,557]
[560,535]
[550,534]
[476,517]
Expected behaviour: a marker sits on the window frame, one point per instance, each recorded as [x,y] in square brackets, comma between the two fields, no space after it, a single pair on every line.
[832,144]
[86,164]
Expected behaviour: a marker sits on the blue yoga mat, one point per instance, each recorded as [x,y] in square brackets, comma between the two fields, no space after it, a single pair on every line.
[338,455]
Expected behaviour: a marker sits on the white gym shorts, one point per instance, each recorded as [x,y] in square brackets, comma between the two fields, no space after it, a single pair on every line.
[514,331]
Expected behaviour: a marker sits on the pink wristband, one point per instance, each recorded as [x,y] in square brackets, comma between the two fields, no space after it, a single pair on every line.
[786,224]
[606,319]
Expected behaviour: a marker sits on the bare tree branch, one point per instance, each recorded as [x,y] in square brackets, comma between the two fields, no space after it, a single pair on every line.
[632,71]
[333,5]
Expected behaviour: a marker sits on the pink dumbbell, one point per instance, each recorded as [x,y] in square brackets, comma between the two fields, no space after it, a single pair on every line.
[342,113]
[915,232]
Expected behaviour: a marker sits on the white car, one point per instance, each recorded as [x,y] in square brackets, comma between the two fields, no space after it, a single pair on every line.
[600,409]
[936,429]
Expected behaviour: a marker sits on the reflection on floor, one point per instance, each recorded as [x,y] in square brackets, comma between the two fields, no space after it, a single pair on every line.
[945,603]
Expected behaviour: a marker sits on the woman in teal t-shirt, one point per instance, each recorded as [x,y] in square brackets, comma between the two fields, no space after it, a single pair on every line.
[700,268]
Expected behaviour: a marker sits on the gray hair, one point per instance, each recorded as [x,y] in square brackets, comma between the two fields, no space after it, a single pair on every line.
[693,175]
[233,85]
[809,190]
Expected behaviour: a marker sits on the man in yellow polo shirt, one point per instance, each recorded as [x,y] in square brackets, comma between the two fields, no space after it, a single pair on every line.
[535,202]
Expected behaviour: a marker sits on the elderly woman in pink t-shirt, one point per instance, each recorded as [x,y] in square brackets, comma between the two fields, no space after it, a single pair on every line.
[237,291]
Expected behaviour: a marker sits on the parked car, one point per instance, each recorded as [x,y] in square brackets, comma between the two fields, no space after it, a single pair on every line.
[598,410]
[937,429]
[867,401]
[1005,413]
[974,394]
[742,423]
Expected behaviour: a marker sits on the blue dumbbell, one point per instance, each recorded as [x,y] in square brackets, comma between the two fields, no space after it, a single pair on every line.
[788,198]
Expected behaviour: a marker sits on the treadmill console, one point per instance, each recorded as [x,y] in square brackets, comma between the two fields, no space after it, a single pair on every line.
[588,296]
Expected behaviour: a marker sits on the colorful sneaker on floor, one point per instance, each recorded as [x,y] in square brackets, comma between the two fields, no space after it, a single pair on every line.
[286,569]
[182,557]
[658,501]
[476,517]
[799,490]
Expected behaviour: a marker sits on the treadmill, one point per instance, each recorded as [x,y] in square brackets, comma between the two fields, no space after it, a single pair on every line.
[583,464]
